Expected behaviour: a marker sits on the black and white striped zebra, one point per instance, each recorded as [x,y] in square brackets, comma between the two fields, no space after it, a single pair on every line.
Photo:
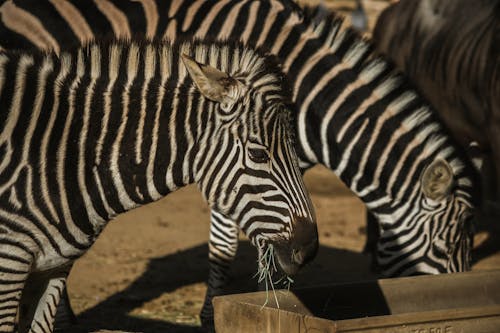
[450,251]
[112,126]
[450,49]
[355,114]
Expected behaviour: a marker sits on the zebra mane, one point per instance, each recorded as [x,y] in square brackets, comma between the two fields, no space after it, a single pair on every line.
[256,68]
[359,53]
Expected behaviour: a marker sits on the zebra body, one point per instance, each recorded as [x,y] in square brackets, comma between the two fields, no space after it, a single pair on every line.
[454,59]
[112,126]
[354,113]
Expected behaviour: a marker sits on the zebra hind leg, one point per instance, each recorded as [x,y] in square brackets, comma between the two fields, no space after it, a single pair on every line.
[222,247]
[40,300]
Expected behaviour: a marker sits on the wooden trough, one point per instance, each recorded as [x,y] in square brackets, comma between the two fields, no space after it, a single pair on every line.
[448,303]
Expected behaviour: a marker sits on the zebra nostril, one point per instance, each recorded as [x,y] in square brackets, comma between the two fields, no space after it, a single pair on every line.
[296,256]
[301,248]
[305,253]
[305,243]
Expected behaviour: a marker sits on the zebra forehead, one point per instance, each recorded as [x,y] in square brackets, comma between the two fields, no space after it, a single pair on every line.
[267,123]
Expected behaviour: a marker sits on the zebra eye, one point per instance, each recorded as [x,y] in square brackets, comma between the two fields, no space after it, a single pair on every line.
[258,155]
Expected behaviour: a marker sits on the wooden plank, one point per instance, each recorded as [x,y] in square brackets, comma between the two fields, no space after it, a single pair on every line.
[448,303]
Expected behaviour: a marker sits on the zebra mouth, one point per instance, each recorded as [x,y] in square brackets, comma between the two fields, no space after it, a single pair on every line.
[291,257]
[290,260]
[291,254]
[272,260]
[287,263]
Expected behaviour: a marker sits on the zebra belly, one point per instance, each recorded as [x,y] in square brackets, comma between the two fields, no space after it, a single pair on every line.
[46,251]
[59,251]
[52,261]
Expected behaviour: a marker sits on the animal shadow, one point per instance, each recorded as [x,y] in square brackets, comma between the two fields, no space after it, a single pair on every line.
[168,273]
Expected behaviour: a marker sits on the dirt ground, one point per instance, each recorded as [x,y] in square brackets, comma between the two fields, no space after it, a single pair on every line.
[147,271]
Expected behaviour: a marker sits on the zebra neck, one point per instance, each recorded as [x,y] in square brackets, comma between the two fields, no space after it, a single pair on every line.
[360,118]
[149,130]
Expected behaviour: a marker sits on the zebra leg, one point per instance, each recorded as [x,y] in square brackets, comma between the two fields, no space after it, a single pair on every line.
[15,263]
[222,247]
[372,236]
[65,317]
[40,300]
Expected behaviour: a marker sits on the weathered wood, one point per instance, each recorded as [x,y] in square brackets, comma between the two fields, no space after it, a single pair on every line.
[448,303]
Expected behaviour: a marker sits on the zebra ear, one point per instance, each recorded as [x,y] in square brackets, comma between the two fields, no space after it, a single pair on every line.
[437,180]
[214,84]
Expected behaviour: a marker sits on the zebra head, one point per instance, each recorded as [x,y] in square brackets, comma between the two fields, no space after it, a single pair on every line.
[433,233]
[249,169]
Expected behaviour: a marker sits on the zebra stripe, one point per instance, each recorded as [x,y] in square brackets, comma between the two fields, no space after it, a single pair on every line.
[334,74]
[405,128]
[39,318]
[52,216]
[456,66]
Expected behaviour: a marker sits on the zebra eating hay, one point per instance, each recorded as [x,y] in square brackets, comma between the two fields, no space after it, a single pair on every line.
[355,114]
[112,126]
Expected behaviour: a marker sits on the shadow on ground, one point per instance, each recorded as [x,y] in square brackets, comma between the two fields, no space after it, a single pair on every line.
[168,273]
[165,274]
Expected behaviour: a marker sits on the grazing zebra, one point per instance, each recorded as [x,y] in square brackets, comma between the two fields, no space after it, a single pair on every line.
[451,50]
[355,115]
[111,126]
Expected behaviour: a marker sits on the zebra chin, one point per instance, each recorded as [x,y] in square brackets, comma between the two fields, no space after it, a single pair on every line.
[293,254]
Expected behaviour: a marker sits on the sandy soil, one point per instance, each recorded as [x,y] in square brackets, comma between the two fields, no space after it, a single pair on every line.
[147,271]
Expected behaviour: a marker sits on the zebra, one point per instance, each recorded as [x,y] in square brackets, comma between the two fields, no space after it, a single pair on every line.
[111,126]
[454,59]
[354,113]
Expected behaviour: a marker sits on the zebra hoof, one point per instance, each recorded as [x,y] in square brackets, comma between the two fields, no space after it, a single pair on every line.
[207,320]
[207,325]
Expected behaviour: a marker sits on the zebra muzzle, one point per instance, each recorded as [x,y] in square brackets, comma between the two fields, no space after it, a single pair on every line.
[300,249]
